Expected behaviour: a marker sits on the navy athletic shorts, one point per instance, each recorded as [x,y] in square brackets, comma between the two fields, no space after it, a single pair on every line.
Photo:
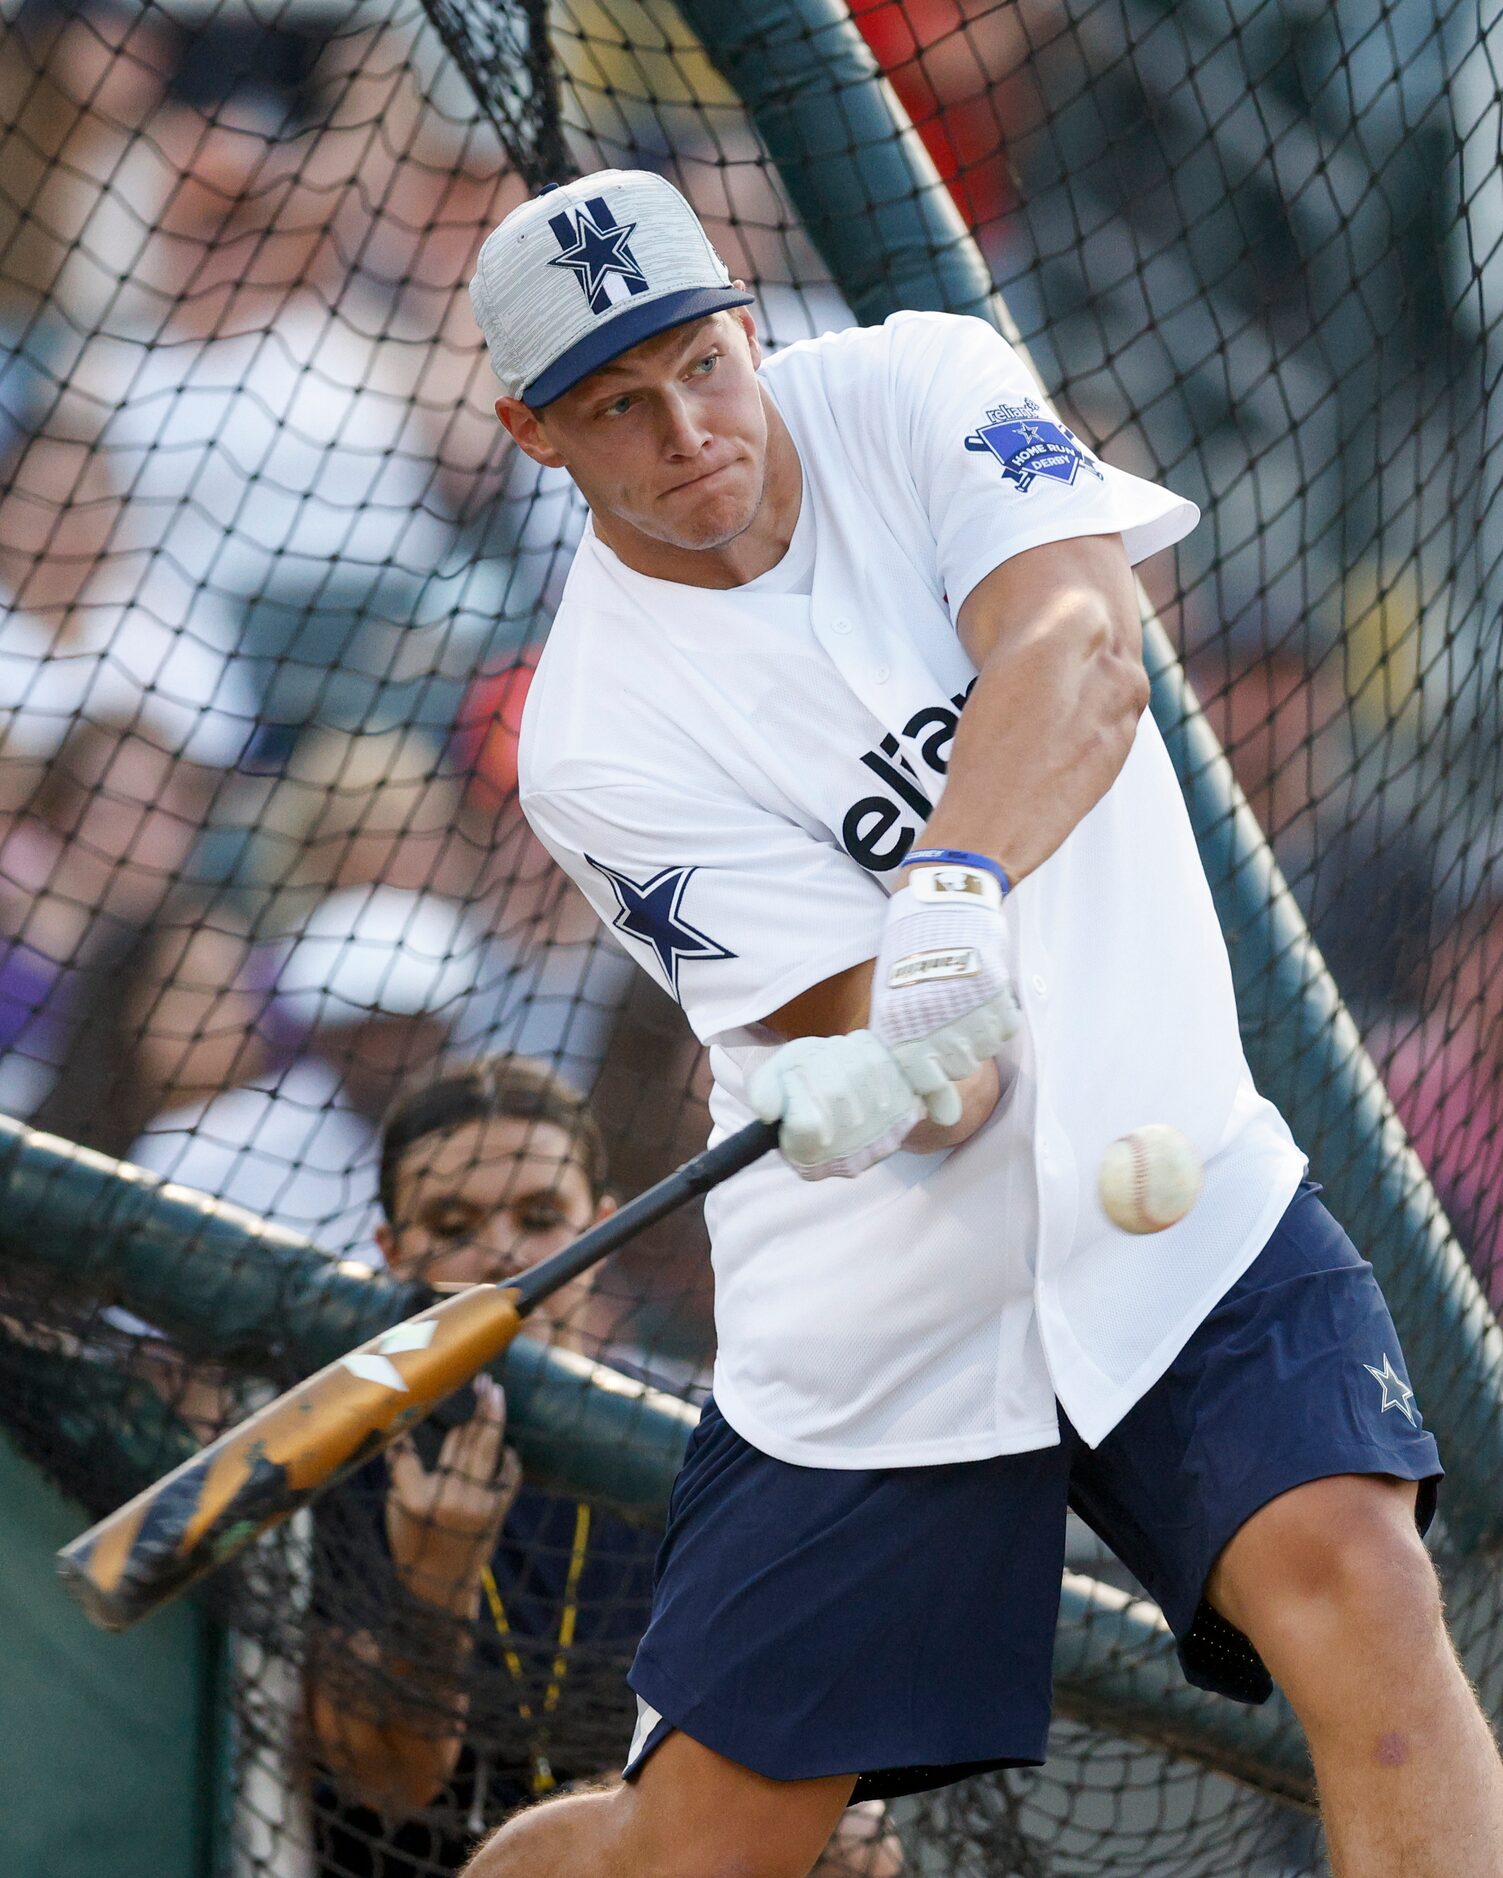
[898,1623]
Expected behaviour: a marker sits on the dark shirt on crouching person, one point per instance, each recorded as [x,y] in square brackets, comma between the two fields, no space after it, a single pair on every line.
[565,1600]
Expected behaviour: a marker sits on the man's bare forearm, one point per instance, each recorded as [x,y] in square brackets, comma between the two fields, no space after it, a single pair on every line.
[1055,707]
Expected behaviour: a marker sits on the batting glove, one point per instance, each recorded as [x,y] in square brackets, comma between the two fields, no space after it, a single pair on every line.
[843,1103]
[942,999]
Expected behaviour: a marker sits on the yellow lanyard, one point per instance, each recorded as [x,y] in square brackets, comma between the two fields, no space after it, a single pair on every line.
[542,1773]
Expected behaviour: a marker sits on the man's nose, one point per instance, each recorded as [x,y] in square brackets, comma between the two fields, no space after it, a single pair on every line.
[685,434]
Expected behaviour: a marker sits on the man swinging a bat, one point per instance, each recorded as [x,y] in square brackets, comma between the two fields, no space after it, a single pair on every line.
[841,728]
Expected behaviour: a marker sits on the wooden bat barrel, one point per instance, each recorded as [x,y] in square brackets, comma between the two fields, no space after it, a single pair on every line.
[170,1535]
[205,1511]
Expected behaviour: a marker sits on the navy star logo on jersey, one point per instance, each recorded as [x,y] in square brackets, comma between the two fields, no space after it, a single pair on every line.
[595,251]
[651,911]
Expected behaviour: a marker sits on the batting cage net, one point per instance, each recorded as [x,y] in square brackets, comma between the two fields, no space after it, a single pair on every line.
[273,929]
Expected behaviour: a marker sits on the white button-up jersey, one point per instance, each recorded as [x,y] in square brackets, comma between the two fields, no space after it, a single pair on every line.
[733,777]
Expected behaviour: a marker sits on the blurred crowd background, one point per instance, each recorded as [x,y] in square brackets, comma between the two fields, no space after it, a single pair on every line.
[271,588]
[270,583]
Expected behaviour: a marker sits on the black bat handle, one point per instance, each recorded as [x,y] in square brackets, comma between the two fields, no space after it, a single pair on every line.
[705,1171]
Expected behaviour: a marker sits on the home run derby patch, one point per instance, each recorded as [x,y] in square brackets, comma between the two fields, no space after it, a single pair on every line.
[1029,445]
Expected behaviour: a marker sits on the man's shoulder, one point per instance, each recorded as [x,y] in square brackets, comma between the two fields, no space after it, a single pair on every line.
[856,356]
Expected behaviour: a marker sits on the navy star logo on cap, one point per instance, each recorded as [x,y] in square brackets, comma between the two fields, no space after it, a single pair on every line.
[651,912]
[594,247]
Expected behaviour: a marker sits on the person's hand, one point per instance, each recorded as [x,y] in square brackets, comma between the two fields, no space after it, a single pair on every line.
[942,998]
[843,1103]
[442,1526]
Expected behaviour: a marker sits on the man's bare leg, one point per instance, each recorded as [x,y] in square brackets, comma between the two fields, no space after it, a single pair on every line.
[690,1813]
[1334,1586]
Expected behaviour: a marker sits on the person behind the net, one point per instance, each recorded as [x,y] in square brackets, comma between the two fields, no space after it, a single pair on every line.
[464,1618]
[954,954]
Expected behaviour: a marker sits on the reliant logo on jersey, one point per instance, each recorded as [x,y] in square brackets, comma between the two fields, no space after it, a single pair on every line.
[876,831]
[595,251]
[1029,445]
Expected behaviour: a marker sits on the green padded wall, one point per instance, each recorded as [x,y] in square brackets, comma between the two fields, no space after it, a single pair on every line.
[108,1744]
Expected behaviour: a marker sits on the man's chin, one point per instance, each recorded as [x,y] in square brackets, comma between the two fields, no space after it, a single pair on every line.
[716,526]
[710,538]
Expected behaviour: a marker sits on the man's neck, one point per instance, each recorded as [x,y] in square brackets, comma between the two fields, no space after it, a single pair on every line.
[753,552]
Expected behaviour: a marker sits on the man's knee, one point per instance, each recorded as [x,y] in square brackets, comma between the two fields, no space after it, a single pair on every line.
[603,1833]
[1334,1565]
[551,1839]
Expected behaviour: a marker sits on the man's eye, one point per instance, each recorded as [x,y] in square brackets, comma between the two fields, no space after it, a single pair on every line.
[707,364]
[450,1225]
[540,1218]
[618,407]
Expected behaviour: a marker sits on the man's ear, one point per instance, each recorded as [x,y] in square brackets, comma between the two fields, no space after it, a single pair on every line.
[525,428]
[387,1240]
[606,1207]
[743,318]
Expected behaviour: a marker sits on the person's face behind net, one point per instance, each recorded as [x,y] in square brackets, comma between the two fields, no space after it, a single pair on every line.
[486,1200]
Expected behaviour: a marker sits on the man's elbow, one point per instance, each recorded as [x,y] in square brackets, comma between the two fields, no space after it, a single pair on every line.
[1136,689]
[1113,653]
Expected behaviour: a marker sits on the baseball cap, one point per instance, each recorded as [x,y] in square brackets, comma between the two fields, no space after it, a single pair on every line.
[379,951]
[587,270]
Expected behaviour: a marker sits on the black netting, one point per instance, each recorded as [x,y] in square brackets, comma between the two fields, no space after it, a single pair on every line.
[273,589]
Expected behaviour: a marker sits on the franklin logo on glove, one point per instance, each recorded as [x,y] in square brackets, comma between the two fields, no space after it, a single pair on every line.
[929,965]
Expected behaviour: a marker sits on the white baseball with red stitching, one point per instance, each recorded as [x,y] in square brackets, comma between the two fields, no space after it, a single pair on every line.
[1149,1179]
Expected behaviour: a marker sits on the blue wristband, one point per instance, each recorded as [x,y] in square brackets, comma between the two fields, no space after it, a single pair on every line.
[958,857]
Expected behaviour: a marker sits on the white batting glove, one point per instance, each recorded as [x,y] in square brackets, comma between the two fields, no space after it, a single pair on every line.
[942,998]
[843,1102]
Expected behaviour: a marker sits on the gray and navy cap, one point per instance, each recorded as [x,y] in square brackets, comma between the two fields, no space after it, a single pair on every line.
[587,270]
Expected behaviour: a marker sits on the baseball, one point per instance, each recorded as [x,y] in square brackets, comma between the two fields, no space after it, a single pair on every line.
[1149,1179]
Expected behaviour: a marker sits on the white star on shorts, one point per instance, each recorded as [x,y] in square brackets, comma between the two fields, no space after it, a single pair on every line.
[1396,1392]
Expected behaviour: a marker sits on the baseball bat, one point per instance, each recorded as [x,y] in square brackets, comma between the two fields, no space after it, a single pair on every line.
[257,1474]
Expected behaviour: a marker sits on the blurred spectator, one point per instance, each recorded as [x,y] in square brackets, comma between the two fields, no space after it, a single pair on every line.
[1449,1095]
[112,664]
[198,1011]
[86,867]
[485,1169]
[112,823]
[286,502]
[353,809]
[171,1017]
[1443,1066]
[475,1629]
[1357,859]
[184,1017]
[78,79]
[369,989]
[377,979]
